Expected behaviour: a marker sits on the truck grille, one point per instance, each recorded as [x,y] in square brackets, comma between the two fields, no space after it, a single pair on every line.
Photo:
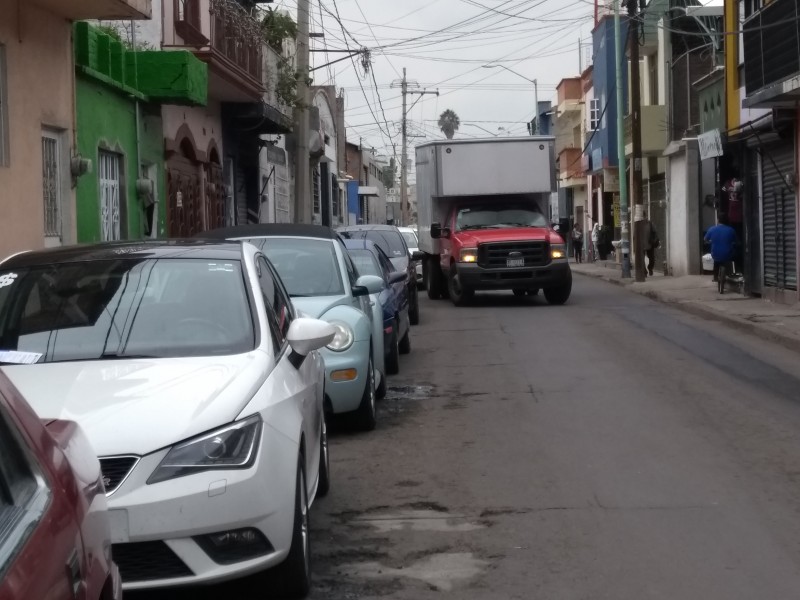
[496,255]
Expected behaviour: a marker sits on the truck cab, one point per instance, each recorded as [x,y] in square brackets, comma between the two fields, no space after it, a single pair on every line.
[482,224]
[505,244]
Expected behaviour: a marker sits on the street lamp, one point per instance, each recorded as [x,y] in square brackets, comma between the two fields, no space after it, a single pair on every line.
[535,88]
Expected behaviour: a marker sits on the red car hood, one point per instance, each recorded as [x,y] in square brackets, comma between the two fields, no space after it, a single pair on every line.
[516,234]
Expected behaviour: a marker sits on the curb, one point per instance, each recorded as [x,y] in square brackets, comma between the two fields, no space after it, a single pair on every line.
[698,310]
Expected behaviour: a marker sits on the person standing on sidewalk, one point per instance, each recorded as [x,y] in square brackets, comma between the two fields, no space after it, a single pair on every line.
[723,240]
[653,242]
[595,241]
[577,243]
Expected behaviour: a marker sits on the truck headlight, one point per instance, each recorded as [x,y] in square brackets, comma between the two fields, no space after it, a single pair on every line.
[343,338]
[558,251]
[468,255]
[231,447]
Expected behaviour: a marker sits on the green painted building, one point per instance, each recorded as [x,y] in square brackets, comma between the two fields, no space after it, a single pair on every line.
[119,95]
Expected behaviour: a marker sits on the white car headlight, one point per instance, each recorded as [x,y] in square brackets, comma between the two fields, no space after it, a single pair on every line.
[344,337]
[231,447]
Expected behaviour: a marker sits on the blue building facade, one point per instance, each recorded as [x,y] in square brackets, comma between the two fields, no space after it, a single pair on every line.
[602,149]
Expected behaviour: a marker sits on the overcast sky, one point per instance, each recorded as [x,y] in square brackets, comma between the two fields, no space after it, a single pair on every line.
[444,45]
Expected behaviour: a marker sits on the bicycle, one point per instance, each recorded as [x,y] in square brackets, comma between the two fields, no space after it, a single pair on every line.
[725,270]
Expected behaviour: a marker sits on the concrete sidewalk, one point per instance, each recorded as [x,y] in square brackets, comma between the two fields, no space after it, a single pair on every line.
[698,295]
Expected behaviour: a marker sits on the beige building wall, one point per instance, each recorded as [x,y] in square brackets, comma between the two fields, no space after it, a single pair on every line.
[39,65]
[204,123]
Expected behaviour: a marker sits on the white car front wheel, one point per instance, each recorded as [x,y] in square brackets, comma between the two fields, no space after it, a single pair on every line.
[293,576]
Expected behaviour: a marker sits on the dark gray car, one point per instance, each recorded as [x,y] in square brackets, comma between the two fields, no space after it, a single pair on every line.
[392,242]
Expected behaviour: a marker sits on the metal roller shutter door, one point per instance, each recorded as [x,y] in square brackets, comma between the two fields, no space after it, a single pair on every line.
[779,216]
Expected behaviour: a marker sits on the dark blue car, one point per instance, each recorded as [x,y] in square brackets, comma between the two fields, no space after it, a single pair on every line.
[393,300]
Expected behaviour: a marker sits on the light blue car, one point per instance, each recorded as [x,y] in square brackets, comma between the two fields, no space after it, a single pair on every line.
[323,282]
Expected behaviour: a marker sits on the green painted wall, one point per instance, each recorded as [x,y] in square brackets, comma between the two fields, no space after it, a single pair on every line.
[110,79]
[107,120]
[711,100]
[175,77]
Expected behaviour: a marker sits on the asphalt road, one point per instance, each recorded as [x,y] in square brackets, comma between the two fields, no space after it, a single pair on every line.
[610,448]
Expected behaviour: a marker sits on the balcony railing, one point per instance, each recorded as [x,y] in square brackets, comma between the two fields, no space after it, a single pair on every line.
[772,45]
[236,34]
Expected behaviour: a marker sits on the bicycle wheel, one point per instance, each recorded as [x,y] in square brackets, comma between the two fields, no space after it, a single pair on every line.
[721,278]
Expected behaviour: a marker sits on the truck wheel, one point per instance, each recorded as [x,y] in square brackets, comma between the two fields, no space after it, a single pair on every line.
[459,295]
[558,295]
[434,282]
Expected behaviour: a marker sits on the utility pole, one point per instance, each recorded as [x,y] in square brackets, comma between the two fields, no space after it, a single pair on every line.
[302,198]
[538,128]
[404,156]
[640,236]
[623,178]
[404,207]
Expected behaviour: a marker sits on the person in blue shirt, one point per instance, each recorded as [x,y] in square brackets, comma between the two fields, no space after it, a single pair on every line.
[723,240]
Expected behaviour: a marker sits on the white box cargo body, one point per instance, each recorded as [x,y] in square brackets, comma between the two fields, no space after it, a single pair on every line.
[450,169]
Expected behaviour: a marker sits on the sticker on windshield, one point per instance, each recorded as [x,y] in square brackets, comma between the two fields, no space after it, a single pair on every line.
[227,268]
[19,358]
[7,279]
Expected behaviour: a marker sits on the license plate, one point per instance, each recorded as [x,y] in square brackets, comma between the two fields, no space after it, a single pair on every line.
[515,262]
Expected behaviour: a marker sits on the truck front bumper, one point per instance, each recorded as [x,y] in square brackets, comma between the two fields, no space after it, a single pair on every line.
[475,277]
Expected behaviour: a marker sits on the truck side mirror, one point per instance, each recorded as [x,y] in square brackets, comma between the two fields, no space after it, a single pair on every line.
[436,231]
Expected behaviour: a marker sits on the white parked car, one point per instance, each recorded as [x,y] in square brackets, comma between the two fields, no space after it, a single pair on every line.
[198,386]
[410,235]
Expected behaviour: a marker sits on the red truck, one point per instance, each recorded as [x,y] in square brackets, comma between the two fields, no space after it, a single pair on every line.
[481,211]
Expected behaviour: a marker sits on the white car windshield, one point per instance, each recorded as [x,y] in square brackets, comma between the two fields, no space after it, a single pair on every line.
[308,267]
[411,239]
[124,308]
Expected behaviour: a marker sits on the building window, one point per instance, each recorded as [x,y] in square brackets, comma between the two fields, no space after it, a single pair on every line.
[752,6]
[109,172]
[316,195]
[337,197]
[594,114]
[51,180]
[4,143]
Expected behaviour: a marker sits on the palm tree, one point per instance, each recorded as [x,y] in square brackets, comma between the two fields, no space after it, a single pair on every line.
[449,123]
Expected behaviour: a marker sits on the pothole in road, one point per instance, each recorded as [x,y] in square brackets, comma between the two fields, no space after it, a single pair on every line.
[419,520]
[411,392]
[440,571]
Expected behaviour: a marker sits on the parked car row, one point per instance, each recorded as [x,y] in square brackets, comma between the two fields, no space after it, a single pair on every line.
[182,390]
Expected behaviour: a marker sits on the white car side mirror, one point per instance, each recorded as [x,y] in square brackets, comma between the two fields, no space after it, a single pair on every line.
[306,335]
[370,283]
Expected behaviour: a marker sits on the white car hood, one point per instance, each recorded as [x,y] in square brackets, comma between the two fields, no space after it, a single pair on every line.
[139,406]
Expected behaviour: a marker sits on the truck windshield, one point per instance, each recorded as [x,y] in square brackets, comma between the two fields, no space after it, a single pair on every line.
[478,217]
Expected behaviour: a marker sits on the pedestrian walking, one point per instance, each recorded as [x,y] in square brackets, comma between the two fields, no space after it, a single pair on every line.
[653,242]
[577,243]
[723,240]
[596,241]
